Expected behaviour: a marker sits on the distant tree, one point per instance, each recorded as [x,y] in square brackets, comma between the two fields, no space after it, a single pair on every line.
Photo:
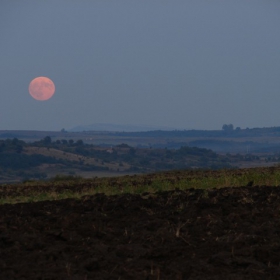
[238,128]
[15,141]
[19,149]
[80,143]
[228,127]
[47,140]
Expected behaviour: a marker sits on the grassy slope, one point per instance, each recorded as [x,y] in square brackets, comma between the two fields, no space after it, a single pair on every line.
[71,187]
[59,154]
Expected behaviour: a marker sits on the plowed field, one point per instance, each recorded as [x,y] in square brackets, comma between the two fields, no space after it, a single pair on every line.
[230,233]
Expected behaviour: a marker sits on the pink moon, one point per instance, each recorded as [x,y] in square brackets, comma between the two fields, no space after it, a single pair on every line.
[41,88]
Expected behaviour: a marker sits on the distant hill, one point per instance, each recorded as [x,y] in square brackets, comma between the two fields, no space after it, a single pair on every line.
[118,127]
[42,159]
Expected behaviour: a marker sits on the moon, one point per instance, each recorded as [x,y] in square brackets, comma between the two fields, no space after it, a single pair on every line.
[41,88]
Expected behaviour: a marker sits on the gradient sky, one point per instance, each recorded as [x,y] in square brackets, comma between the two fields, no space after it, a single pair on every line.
[183,64]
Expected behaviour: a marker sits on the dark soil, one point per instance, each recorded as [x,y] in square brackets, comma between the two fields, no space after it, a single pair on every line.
[231,233]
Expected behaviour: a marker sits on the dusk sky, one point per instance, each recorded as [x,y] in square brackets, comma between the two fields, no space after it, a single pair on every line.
[180,64]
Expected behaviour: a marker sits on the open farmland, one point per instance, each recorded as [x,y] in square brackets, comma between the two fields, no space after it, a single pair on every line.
[171,225]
